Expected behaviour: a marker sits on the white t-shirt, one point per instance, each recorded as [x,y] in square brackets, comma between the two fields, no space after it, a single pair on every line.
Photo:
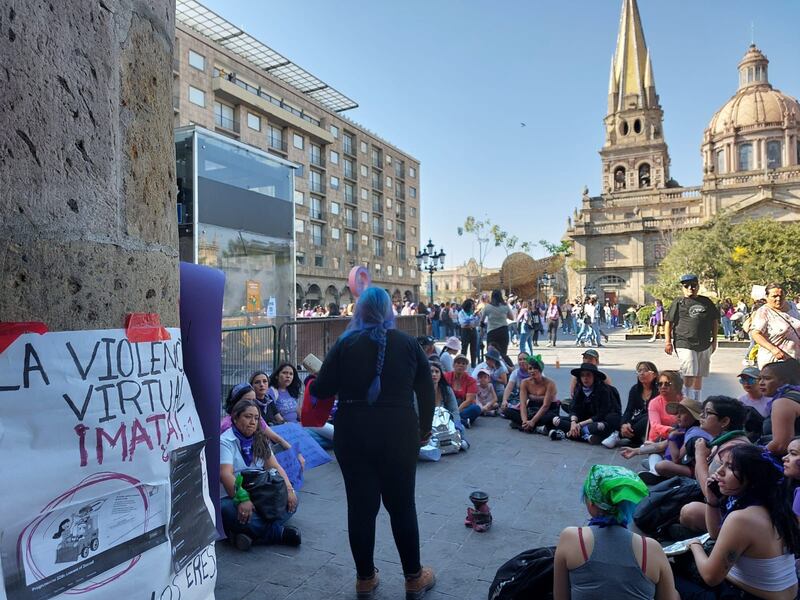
[782,329]
[759,405]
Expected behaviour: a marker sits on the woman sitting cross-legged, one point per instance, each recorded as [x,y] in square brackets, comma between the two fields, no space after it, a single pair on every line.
[633,430]
[537,400]
[756,532]
[595,410]
[244,446]
[605,560]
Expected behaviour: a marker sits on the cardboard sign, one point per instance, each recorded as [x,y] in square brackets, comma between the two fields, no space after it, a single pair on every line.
[92,431]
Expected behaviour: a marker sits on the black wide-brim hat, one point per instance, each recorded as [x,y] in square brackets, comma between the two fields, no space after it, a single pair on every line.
[591,368]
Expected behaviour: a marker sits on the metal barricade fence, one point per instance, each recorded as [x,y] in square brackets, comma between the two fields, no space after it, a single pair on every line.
[264,347]
[244,350]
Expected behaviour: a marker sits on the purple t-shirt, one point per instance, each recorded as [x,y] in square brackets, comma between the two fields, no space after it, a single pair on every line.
[287,405]
[796,503]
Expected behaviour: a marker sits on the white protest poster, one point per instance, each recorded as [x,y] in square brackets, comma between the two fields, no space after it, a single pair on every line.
[101,449]
[272,309]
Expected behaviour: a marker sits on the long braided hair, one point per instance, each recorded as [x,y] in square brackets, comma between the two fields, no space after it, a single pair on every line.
[373,315]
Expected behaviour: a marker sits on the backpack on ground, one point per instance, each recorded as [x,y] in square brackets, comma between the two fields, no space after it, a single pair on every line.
[444,432]
[529,575]
[663,506]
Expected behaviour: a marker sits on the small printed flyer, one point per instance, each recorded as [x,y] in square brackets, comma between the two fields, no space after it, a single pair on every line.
[102,445]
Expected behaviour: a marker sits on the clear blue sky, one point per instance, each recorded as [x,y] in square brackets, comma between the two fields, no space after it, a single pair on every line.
[450,81]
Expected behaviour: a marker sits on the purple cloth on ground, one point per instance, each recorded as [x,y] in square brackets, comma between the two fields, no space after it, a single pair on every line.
[302,441]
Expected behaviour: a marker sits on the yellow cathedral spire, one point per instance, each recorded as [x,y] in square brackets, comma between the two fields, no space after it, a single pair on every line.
[632,84]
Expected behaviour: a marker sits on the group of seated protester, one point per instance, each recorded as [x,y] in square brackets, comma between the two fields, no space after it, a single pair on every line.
[251,409]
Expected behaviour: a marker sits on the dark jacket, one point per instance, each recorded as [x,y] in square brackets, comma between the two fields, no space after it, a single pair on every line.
[635,403]
[602,402]
[349,369]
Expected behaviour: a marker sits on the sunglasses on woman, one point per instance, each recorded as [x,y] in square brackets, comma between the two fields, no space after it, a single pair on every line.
[664,384]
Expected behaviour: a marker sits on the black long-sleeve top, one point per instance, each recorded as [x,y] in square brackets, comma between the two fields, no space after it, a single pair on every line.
[349,368]
[598,405]
[635,403]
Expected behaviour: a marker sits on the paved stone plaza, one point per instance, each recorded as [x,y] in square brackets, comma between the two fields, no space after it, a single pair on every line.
[533,484]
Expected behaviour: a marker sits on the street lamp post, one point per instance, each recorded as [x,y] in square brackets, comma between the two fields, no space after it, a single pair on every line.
[431,262]
[545,281]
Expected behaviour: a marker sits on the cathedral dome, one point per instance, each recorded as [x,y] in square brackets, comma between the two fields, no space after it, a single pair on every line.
[756,104]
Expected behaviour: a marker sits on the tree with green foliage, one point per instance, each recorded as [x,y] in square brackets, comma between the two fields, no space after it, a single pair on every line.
[729,258]
[485,231]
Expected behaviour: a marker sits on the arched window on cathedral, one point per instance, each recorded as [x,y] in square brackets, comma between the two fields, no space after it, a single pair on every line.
[644,175]
[619,178]
[721,160]
[774,154]
[745,157]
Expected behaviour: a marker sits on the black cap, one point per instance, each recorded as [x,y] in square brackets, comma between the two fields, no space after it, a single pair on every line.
[688,278]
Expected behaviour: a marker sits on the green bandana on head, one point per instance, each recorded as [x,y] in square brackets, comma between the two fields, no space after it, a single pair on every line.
[537,362]
[606,486]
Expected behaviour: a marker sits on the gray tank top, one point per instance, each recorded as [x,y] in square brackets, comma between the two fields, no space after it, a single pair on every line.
[611,571]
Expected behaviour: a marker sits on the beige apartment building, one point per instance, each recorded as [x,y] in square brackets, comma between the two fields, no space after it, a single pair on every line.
[751,169]
[357,197]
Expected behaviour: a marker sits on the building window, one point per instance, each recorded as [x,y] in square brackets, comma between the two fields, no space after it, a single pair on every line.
[299,225]
[300,258]
[377,247]
[774,151]
[349,144]
[335,233]
[388,245]
[223,116]
[198,61]
[364,216]
[315,181]
[377,202]
[334,182]
[275,138]
[299,171]
[349,168]
[377,225]
[299,197]
[350,241]
[412,192]
[644,175]
[377,268]
[413,210]
[721,160]
[316,155]
[254,122]
[335,261]
[334,158]
[388,182]
[609,254]
[319,261]
[413,232]
[399,271]
[334,131]
[317,205]
[316,234]
[680,210]
[401,252]
[364,240]
[363,147]
[196,96]
[619,178]
[349,193]
[376,180]
[745,157]
[389,224]
[298,141]
[364,194]
[364,171]
[660,251]
[349,218]
[388,203]
[377,158]
[389,270]
[413,274]
[412,172]
[335,208]
[388,159]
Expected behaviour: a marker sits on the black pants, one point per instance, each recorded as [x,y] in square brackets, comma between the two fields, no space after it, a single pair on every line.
[499,339]
[546,420]
[379,463]
[552,330]
[469,339]
[610,424]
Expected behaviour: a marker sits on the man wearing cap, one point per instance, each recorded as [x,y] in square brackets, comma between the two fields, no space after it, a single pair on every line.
[690,330]
[753,397]
[428,345]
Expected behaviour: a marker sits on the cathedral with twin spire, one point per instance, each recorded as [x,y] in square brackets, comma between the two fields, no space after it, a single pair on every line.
[751,169]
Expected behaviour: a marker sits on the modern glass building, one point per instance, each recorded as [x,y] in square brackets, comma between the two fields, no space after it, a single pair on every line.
[236,213]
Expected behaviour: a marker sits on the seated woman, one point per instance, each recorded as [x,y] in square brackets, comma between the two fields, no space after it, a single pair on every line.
[511,393]
[464,387]
[538,405]
[243,446]
[722,418]
[286,390]
[750,515]
[791,469]
[780,381]
[633,430]
[244,391]
[444,395]
[660,422]
[679,457]
[595,410]
[605,560]
[266,404]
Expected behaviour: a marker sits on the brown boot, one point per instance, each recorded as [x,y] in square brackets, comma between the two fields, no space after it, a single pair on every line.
[417,585]
[366,587]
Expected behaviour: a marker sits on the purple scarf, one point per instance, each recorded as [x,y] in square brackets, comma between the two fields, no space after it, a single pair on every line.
[246,443]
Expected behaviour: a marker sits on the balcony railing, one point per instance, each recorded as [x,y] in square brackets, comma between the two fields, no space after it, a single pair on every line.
[317,187]
[401,235]
[400,193]
[350,173]
[400,172]
[226,123]
[349,147]
[277,143]
[377,162]
[401,213]
[350,223]
[317,240]
[377,229]
[318,160]
[377,205]
[350,198]
[316,213]
[377,184]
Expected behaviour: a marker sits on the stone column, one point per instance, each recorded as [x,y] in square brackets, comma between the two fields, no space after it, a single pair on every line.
[88,230]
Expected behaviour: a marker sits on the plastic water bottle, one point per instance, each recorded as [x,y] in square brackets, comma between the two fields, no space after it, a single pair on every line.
[558,362]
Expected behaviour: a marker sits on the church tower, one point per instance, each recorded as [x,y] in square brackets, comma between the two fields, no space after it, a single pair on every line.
[635,154]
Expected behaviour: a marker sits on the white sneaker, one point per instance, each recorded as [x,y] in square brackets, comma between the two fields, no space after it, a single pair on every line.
[611,441]
[541,429]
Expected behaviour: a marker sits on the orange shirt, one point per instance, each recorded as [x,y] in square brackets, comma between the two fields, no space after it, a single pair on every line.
[660,420]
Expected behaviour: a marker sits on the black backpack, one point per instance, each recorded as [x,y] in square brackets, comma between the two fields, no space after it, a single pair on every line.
[663,506]
[529,575]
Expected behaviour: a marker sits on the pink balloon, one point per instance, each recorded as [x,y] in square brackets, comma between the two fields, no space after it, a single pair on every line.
[358,280]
